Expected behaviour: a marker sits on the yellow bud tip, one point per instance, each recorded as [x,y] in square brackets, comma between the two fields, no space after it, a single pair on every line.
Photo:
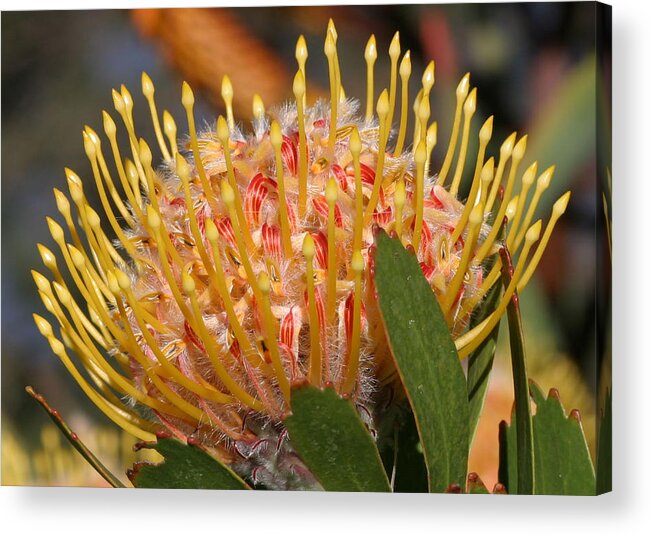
[533,233]
[46,255]
[428,77]
[227,88]
[383,104]
[147,85]
[182,167]
[264,283]
[545,179]
[507,147]
[222,130]
[93,218]
[188,283]
[355,142]
[332,30]
[109,123]
[132,172]
[124,282]
[145,153]
[357,262]
[370,53]
[77,258]
[56,346]
[89,146]
[126,96]
[400,195]
[511,207]
[71,176]
[405,65]
[561,204]
[301,49]
[211,230]
[113,285]
[329,46]
[421,152]
[47,302]
[76,192]
[228,195]
[394,47]
[432,134]
[153,219]
[63,204]
[43,325]
[187,96]
[477,215]
[464,86]
[118,102]
[530,174]
[62,293]
[520,148]
[41,282]
[471,102]
[308,246]
[488,170]
[331,191]
[275,134]
[299,85]
[486,131]
[92,135]
[55,229]
[258,107]
[168,124]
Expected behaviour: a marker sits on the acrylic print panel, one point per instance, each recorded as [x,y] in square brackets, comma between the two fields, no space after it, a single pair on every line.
[308,248]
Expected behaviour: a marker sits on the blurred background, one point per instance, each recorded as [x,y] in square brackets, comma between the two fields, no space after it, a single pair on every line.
[535,70]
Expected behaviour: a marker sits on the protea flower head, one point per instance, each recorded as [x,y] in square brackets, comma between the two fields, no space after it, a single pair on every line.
[243,264]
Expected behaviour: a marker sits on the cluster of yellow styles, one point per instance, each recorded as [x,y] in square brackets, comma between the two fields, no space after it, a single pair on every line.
[245,263]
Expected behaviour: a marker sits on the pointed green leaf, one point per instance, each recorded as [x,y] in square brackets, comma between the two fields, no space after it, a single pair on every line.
[563,464]
[426,360]
[186,466]
[523,423]
[562,459]
[74,440]
[605,448]
[508,468]
[331,439]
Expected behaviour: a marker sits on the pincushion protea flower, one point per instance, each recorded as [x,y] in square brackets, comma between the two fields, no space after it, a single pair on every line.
[244,264]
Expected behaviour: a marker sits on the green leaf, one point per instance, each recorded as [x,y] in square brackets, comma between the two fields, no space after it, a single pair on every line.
[562,458]
[186,466]
[401,451]
[331,439]
[563,464]
[524,426]
[74,440]
[426,360]
[605,448]
[508,468]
